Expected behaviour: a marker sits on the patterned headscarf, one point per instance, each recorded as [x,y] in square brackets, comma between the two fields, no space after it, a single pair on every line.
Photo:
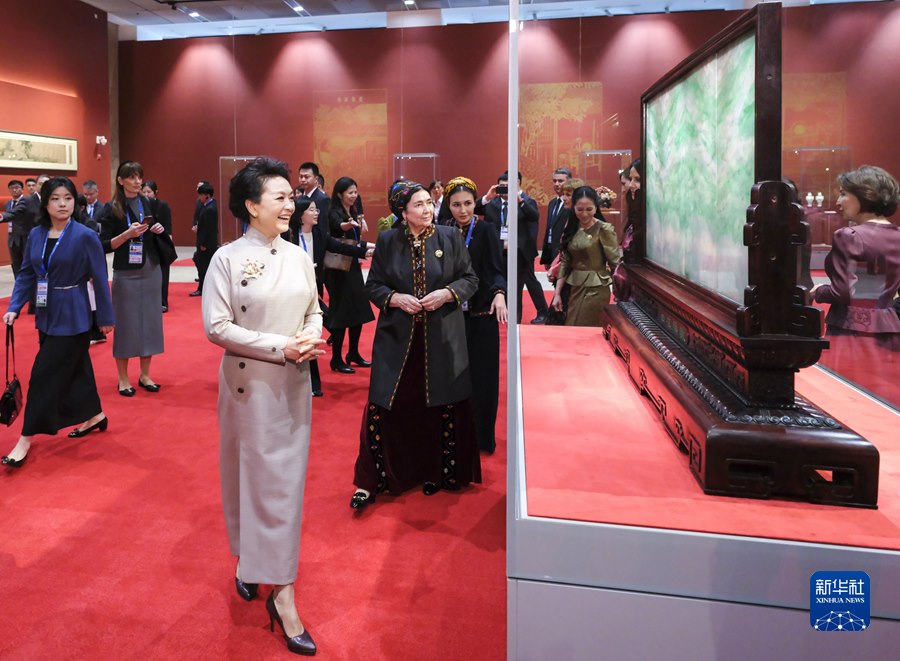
[398,196]
[460,183]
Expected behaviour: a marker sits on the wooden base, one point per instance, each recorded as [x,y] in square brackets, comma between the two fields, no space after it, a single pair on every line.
[736,449]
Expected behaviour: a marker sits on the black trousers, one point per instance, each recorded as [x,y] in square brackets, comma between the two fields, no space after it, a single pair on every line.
[165,284]
[202,258]
[62,390]
[483,343]
[16,247]
[526,277]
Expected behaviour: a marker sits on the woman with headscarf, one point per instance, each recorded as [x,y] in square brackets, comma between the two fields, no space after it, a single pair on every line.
[485,311]
[417,426]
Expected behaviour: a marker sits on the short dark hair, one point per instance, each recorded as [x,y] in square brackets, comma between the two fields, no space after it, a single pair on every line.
[151,184]
[565,171]
[505,176]
[206,189]
[47,189]
[875,188]
[434,184]
[249,181]
[13,182]
[309,165]
[321,180]
[31,179]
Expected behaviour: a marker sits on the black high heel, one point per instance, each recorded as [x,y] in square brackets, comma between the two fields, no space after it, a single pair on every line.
[246,591]
[14,463]
[430,488]
[360,499]
[302,644]
[100,426]
[343,368]
[358,360]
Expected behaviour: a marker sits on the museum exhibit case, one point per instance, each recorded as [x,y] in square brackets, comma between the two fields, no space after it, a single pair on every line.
[613,548]
[601,167]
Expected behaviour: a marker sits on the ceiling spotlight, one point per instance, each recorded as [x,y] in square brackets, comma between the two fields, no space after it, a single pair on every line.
[409,3]
[194,14]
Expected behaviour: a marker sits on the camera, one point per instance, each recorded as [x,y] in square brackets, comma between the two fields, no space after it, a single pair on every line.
[502,189]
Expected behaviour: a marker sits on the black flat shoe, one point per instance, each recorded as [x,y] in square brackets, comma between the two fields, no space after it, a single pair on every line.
[127,392]
[318,393]
[149,387]
[359,500]
[342,368]
[99,426]
[430,488]
[246,591]
[358,360]
[14,463]
[302,644]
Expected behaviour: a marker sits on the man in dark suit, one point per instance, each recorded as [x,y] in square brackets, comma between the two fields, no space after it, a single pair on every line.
[207,233]
[91,193]
[21,213]
[308,180]
[555,219]
[496,212]
[16,190]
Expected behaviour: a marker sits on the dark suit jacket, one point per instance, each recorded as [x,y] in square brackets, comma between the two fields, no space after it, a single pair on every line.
[164,215]
[551,239]
[486,254]
[78,258]
[98,210]
[527,225]
[208,227]
[447,264]
[111,227]
[23,217]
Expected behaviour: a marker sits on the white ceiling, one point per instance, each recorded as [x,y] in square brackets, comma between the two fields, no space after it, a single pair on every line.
[169,19]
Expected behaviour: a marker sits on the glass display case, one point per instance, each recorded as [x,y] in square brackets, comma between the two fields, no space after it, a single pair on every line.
[601,168]
[813,171]
[230,228]
[423,167]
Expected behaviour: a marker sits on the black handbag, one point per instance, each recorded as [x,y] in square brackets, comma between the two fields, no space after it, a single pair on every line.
[11,401]
[166,247]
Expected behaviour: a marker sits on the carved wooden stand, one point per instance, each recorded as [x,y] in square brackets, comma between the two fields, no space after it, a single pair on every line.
[723,380]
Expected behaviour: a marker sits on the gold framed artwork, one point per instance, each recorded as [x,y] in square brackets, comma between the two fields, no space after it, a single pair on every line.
[37,152]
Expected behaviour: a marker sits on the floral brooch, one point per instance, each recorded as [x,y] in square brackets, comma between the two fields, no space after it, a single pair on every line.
[252,269]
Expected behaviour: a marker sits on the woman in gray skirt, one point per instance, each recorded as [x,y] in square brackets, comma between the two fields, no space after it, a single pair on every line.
[137,278]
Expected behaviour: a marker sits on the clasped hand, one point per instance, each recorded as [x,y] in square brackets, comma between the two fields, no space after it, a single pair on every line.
[430,302]
[303,346]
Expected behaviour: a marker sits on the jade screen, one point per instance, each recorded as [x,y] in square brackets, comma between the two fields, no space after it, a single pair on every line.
[699,170]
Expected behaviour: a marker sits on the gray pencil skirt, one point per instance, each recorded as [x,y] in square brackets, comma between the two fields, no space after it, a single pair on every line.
[137,303]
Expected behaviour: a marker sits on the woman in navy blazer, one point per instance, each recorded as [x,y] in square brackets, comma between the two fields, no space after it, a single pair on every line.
[61,255]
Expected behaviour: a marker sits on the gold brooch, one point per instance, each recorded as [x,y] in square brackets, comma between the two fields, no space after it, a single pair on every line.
[438,253]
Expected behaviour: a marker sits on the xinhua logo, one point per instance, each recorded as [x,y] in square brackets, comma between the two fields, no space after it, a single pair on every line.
[839,601]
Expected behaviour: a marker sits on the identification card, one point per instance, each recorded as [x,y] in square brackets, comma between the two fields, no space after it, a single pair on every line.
[136,252]
[504,233]
[465,306]
[42,289]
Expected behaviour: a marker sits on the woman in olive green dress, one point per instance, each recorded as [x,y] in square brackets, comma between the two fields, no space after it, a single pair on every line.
[589,253]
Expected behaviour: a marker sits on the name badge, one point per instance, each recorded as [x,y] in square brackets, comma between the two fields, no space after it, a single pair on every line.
[504,233]
[136,252]
[42,289]
[465,306]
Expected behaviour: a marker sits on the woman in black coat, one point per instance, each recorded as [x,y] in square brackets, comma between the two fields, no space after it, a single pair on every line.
[418,425]
[308,234]
[485,311]
[348,306]
[164,216]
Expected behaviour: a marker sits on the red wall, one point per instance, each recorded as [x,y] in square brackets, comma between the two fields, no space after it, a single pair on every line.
[54,81]
[186,102]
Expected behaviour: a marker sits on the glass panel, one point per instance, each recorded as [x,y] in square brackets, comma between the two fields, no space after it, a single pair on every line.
[602,168]
[423,168]
[699,171]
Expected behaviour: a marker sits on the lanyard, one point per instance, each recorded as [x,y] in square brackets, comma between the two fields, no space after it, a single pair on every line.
[140,216]
[55,246]
[469,233]
[303,241]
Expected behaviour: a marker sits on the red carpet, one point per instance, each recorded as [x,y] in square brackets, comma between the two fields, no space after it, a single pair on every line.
[596,451]
[113,546]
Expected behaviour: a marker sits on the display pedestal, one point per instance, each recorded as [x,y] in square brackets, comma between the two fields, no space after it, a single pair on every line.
[796,451]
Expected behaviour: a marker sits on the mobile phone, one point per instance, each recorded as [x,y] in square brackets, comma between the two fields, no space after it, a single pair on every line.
[502,189]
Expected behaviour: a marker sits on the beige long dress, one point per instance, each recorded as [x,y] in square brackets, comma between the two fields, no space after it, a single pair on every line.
[258,293]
